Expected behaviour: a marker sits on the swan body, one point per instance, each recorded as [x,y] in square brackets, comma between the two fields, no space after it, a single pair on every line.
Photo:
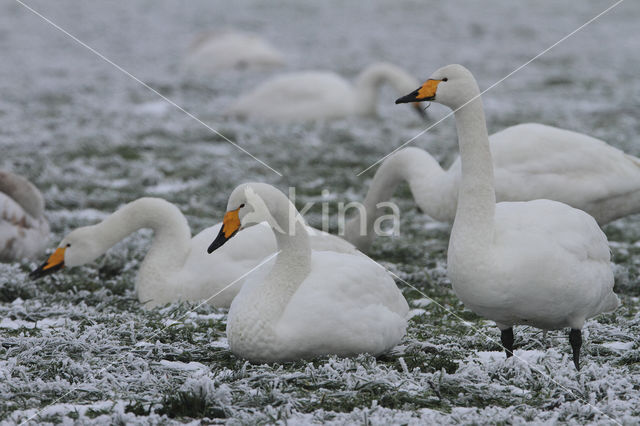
[531,161]
[540,263]
[318,95]
[24,231]
[176,266]
[307,302]
[212,52]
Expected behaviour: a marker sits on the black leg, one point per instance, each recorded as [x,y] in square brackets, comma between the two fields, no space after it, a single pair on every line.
[507,341]
[575,338]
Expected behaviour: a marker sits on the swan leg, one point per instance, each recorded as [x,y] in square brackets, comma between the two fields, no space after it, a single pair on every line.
[575,338]
[506,337]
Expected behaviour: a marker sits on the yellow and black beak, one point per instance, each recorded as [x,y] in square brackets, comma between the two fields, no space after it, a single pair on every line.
[426,92]
[230,227]
[54,263]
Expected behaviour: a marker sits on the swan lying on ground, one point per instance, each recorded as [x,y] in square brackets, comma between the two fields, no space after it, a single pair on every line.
[215,51]
[540,263]
[307,302]
[318,95]
[24,231]
[177,266]
[531,161]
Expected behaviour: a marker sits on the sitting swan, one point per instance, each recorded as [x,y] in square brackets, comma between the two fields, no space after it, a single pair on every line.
[24,230]
[215,51]
[176,266]
[540,263]
[306,303]
[317,95]
[531,161]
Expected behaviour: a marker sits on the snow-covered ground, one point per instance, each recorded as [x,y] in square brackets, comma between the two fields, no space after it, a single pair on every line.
[78,347]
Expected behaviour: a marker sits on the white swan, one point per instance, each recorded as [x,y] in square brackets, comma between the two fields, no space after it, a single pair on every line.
[531,161]
[177,266]
[306,303]
[214,51]
[316,95]
[540,263]
[24,231]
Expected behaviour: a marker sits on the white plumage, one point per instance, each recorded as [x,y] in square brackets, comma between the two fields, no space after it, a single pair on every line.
[318,95]
[310,302]
[24,231]
[177,267]
[531,161]
[216,51]
[540,263]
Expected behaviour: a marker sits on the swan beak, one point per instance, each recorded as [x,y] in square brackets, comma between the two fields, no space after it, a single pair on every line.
[54,263]
[417,107]
[230,227]
[426,92]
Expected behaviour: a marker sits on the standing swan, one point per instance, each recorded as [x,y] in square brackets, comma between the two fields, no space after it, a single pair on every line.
[24,230]
[317,95]
[176,266]
[531,161]
[540,263]
[306,303]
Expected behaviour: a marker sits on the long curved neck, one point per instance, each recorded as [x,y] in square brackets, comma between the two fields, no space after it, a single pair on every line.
[22,192]
[292,264]
[413,165]
[368,83]
[474,222]
[172,236]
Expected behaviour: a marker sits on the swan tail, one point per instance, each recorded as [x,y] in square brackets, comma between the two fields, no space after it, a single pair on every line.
[610,304]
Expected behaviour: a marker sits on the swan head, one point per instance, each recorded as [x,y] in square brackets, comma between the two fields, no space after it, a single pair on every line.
[246,208]
[452,85]
[77,248]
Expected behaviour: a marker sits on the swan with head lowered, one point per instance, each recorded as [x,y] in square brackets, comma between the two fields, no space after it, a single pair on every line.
[24,231]
[306,302]
[321,95]
[530,161]
[540,263]
[176,267]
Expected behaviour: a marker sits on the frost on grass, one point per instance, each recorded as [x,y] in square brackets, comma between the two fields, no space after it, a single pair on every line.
[78,347]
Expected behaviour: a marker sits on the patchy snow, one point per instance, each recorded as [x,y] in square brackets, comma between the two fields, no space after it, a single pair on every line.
[78,347]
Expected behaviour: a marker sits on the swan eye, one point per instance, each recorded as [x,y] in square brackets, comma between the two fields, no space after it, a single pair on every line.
[68,244]
[241,206]
[445,79]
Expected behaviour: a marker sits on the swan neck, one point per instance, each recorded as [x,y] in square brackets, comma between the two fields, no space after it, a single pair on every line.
[476,196]
[291,268]
[22,192]
[171,239]
[412,165]
[369,81]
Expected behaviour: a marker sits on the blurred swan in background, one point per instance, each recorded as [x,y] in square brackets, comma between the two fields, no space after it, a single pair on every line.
[318,95]
[176,266]
[307,302]
[215,51]
[540,263]
[531,161]
[24,231]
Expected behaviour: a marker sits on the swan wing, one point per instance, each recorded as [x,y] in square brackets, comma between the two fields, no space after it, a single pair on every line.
[305,95]
[21,235]
[215,51]
[348,304]
[208,274]
[551,264]
[561,165]
[556,223]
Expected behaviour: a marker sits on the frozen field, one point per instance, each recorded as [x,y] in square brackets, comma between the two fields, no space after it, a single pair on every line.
[79,348]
